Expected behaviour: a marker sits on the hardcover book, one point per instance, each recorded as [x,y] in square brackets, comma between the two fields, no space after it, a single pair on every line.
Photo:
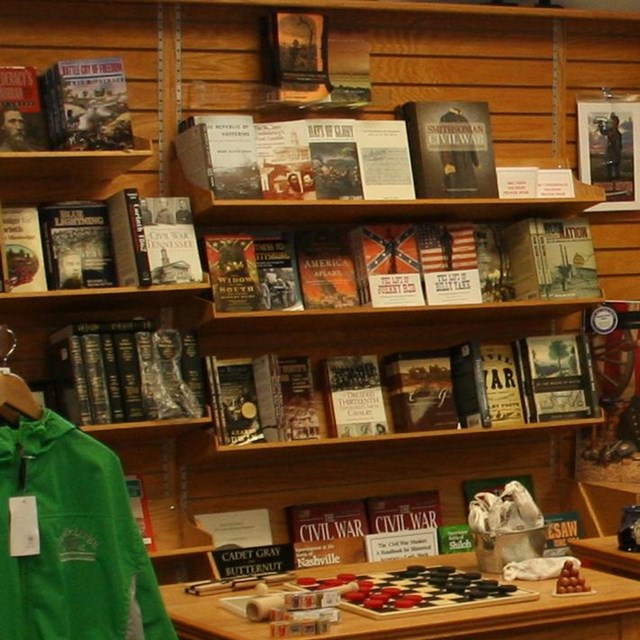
[102,326]
[455,538]
[326,268]
[390,514]
[562,528]
[469,389]
[569,258]
[328,521]
[234,272]
[494,265]
[77,245]
[334,156]
[502,383]
[354,397]
[558,377]
[449,263]
[23,122]
[23,263]
[277,265]
[349,66]
[112,377]
[269,395]
[192,369]
[96,378]
[300,419]
[140,508]
[129,241]
[387,263]
[285,160]
[171,242]
[451,148]
[89,102]
[420,390]
[129,373]
[385,162]
[229,147]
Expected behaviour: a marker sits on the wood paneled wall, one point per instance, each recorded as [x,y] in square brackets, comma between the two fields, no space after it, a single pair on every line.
[192,58]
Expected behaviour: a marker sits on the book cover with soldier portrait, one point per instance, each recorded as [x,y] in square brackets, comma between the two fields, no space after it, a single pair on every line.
[451,146]
[23,125]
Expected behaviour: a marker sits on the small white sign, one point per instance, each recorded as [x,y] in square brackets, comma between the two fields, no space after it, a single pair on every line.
[555,183]
[402,544]
[517,182]
[249,528]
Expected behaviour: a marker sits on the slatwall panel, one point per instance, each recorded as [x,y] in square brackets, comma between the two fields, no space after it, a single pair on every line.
[212,63]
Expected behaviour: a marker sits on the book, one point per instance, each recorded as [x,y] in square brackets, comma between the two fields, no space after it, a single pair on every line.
[233,268]
[237,401]
[23,123]
[133,266]
[384,159]
[523,245]
[455,538]
[562,528]
[449,263]
[140,508]
[237,529]
[300,419]
[266,377]
[451,147]
[277,265]
[349,67]
[194,155]
[494,265]
[569,258]
[469,389]
[229,148]
[77,245]
[192,369]
[23,263]
[412,543]
[387,264]
[321,553]
[328,521]
[284,158]
[420,390]
[334,157]
[502,383]
[129,374]
[89,101]
[112,377]
[67,370]
[171,242]
[558,379]
[390,514]
[354,397]
[326,268]
[91,344]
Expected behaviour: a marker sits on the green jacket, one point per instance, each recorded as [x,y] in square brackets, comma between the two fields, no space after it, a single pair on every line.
[92,579]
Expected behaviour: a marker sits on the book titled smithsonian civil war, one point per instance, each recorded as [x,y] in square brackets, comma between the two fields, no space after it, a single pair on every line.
[451,147]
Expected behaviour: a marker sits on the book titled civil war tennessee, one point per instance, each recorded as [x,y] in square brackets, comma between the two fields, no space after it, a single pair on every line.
[234,272]
[469,389]
[77,245]
[326,268]
[23,263]
[451,148]
[420,390]
[354,397]
[171,243]
[388,266]
[25,127]
[89,105]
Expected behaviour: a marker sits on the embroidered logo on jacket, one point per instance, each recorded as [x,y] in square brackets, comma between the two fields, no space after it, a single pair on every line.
[77,544]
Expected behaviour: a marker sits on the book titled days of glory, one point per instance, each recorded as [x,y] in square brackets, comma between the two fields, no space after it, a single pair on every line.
[451,147]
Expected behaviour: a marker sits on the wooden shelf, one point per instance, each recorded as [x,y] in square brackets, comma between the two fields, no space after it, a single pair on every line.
[151,429]
[72,300]
[361,318]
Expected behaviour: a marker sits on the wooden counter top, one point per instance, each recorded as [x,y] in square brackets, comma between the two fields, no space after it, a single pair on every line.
[604,553]
[612,612]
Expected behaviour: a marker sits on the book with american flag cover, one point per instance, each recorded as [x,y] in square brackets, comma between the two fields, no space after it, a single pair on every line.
[449,263]
[387,265]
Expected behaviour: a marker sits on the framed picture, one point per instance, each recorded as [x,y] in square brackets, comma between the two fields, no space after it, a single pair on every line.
[609,148]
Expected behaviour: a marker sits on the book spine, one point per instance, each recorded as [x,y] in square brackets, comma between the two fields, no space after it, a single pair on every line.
[191,367]
[524,380]
[213,385]
[141,253]
[107,326]
[96,378]
[409,115]
[129,371]
[469,388]
[112,377]
[591,385]
[149,377]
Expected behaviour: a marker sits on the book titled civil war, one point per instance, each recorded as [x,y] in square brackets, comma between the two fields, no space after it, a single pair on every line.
[21,102]
[451,147]
[420,390]
[328,520]
[87,100]
[419,510]
[77,245]
[233,268]
[354,397]
[469,389]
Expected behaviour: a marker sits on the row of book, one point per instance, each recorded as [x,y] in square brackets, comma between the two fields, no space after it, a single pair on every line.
[76,105]
[400,264]
[125,240]
[472,384]
[125,371]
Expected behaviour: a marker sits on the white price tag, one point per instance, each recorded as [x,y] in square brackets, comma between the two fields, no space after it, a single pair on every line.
[24,535]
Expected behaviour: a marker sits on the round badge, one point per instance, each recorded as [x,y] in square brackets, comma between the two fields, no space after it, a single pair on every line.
[604,320]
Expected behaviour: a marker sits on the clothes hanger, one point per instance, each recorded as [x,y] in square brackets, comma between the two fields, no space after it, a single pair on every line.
[16,398]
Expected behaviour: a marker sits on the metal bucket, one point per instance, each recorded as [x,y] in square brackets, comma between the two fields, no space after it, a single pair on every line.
[495,550]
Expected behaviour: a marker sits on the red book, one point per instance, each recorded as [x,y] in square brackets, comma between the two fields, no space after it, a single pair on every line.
[328,521]
[389,514]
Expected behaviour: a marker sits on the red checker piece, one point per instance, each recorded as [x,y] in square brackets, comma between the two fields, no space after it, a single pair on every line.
[374,603]
[404,603]
[391,591]
[306,582]
[347,577]
[416,597]
[331,583]
[355,596]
